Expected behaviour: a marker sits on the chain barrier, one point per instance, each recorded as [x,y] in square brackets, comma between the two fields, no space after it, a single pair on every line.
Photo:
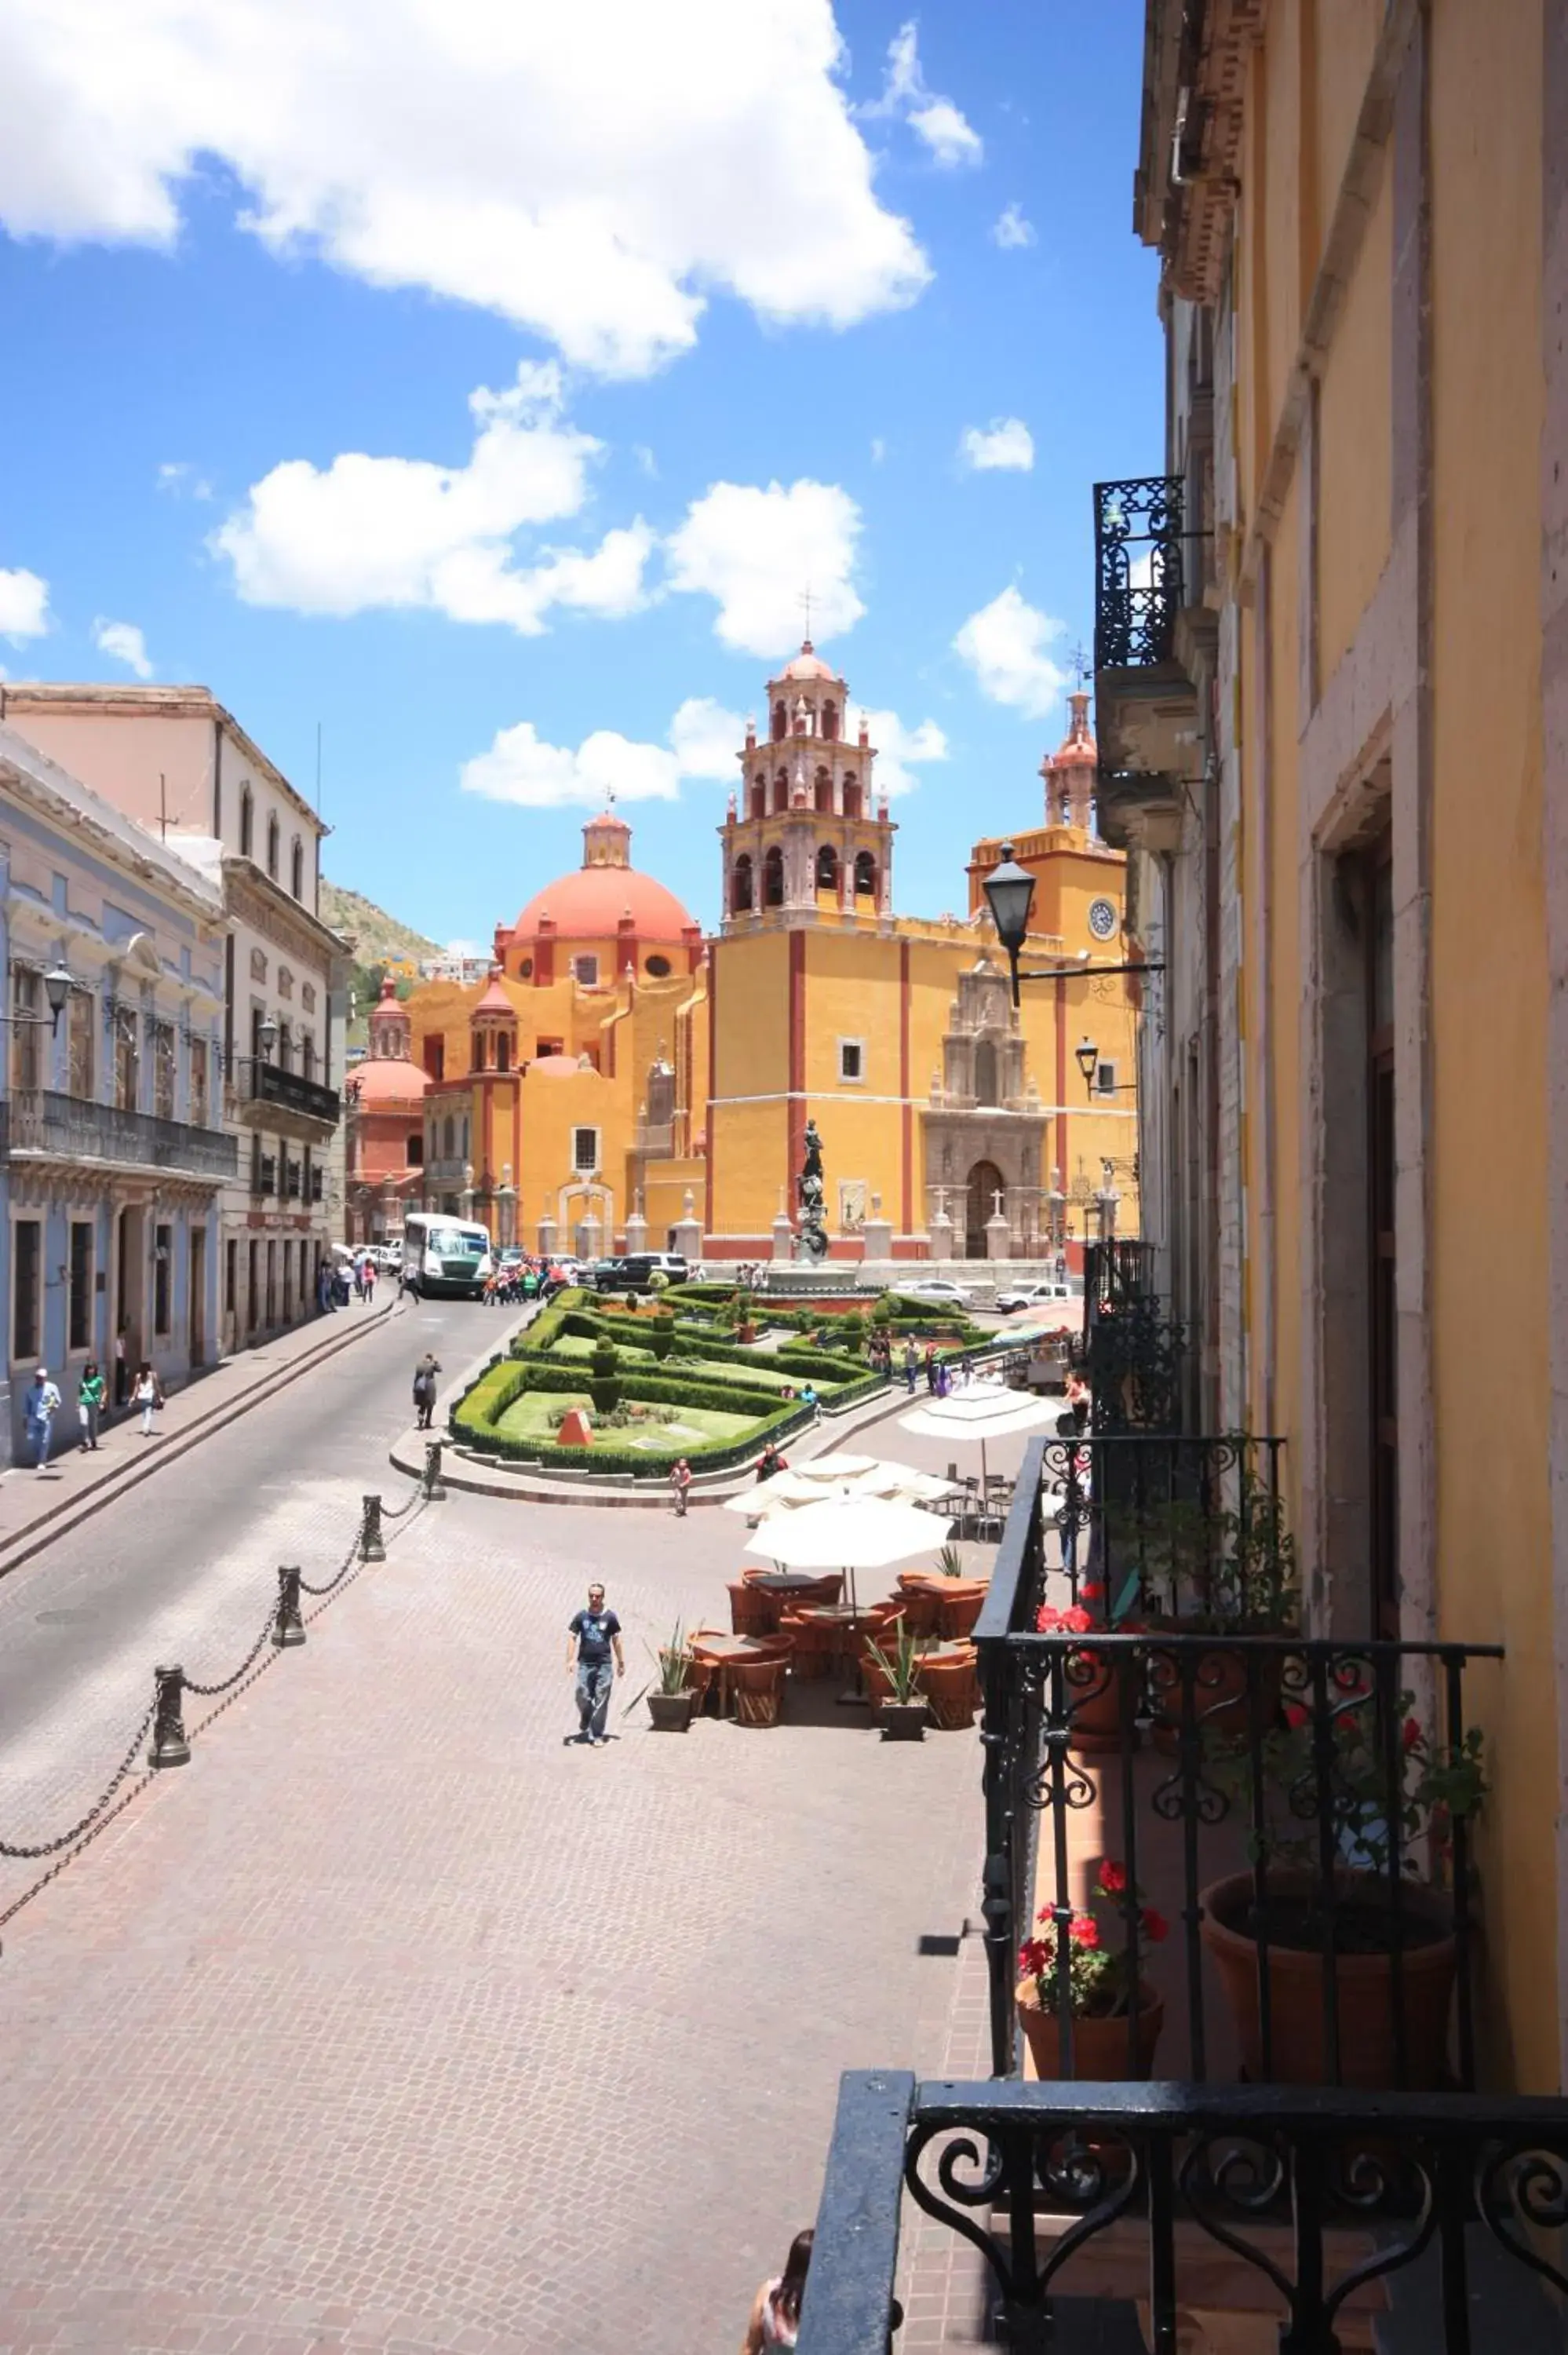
[52,1847]
[164,1719]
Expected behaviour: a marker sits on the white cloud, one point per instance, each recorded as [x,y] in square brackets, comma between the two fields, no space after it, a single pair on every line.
[24,606]
[179,476]
[371,532]
[1005,645]
[124,642]
[1006,442]
[1010,231]
[756,551]
[934,120]
[878,449]
[519,767]
[592,174]
[898,749]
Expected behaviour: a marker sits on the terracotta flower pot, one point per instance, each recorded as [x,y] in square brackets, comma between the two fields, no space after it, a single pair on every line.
[952,1687]
[1099,2046]
[672,1712]
[1364,1982]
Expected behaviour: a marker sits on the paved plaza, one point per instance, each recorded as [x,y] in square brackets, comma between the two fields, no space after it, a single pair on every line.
[393,2021]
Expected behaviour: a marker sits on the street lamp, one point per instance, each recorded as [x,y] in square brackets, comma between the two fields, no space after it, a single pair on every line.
[1087,1056]
[267,1037]
[1010,895]
[57,989]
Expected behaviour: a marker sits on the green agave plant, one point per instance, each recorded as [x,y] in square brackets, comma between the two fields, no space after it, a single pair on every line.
[900,1667]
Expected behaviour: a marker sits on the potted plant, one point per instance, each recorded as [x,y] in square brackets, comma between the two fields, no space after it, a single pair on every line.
[900,1704]
[1094,1680]
[671,1697]
[1351,1911]
[1224,1570]
[1104,2005]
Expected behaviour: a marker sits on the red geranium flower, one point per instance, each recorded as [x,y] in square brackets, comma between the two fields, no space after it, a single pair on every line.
[1154,1926]
[1084,1931]
[1295,1716]
[1411,1733]
[1113,1878]
[1094,1589]
[1035,1958]
[1074,1621]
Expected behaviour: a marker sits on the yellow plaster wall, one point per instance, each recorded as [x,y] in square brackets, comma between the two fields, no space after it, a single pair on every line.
[1491,1302]
[1355,442]
[1282,197]
[1280,848]
[1343,47]
[749,1140]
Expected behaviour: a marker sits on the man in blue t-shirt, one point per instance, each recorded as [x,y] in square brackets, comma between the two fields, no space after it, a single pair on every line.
[593,1638]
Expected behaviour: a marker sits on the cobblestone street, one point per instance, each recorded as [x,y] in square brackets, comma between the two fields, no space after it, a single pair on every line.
[394,2022]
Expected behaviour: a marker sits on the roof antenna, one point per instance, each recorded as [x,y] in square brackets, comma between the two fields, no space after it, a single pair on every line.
[162,810]
[806,607]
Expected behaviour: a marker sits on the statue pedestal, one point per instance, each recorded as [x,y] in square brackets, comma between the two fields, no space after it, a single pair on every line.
[783,1240]
[547,1233]
[997,1236]
[941,1237]
[636,1233]
[688,1239]
[588,1238]
[876,1239]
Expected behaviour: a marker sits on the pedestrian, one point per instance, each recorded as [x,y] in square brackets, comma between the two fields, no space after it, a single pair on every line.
[769,1461]
[425,1374]
[809,1396]
[40,1405]
[775,2310]
[1077,1399]
[931,1367]
[944,1378]
[593,1636]
[369,1272]
[147,1392]
[89,1392]
[911,1366]
[1061,1267]
[680,1482]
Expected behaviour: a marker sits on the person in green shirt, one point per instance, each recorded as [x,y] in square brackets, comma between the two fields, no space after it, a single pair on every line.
[89,1403]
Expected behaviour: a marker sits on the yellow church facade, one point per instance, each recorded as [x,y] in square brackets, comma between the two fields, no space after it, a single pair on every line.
[623,1082]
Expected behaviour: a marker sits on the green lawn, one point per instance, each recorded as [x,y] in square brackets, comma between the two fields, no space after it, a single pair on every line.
[578,1345]
[528,1417]
[761,1373]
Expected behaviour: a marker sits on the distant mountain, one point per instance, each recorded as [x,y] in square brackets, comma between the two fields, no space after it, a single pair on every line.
[376,937]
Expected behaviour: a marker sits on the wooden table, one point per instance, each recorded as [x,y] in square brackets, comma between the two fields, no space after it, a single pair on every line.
[786,1581]
[723,1652]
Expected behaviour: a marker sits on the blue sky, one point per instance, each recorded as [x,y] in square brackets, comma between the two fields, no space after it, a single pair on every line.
[340,230]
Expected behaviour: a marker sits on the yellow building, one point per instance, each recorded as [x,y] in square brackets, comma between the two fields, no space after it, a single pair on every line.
[622,1082]
[1331,683]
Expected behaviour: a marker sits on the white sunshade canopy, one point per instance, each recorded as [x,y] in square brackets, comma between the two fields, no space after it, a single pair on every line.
[848,1533]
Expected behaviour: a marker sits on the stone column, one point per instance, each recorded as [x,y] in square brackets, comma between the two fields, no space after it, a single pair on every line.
[783,1238]
[688,1231]
[941,1231]
[877,1234]
[636,1228]
[587,1234]
[998,1232]
[547,1237]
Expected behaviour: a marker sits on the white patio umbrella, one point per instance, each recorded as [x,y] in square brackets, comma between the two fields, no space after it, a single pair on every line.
[834,1467]
[980,1413]
[848,1533]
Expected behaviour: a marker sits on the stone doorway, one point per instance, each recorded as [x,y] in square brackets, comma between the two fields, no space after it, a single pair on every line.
[985,1183]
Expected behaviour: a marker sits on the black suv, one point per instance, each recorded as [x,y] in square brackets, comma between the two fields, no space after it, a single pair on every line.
[631,1274]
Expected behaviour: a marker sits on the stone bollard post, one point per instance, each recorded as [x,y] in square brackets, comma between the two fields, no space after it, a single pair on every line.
[435,1486]
[370,1546]
[170,1747]
[289,1627]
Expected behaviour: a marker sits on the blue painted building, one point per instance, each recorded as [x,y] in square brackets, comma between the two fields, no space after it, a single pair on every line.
[116,1156]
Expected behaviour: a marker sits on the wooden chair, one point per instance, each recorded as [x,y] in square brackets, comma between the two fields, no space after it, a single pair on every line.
[751,1610]
[759,1689]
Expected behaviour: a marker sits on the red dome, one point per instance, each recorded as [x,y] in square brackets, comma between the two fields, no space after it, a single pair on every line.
[809,664]
[591,903]
[385,1080]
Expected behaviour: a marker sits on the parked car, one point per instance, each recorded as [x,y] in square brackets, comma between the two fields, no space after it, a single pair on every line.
[937,1288]
[631,1274]
[1030,1295]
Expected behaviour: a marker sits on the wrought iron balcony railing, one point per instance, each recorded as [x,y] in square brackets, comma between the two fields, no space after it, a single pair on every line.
[1315,2212]
[271,1085]
[1271,1796]
[1139,572]
[74,1128]
[1119,1273]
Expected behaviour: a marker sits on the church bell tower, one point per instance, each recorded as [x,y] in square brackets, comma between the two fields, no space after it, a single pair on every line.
[806,840]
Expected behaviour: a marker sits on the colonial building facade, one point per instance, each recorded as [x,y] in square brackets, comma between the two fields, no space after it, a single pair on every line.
[176,762]
[619,1080]
[117,1155]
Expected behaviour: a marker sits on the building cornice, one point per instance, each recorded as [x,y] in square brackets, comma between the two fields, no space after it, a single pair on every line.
[251,895]
[162,702]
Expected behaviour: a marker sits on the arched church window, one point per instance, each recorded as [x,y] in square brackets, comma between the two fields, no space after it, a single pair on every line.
[759,795]
[273,847]
[780,791]
[829,720]
[740,887]
[824,791]
[414,1150]
[502,1051]
[852,798]
[773,878]
[864,875]
[659,966]
[448,1137]
[827,868]
[780,723]
[247,823]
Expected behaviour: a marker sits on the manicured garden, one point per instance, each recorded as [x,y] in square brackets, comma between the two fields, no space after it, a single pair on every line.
[706,1371]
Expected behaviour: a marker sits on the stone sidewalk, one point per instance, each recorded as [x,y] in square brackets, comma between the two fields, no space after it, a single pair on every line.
[37,1507]
[394,2023]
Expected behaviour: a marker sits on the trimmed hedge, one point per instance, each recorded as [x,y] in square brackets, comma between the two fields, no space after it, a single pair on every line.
[776,1423]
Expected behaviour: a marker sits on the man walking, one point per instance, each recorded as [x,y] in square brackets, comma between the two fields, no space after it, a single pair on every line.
[425,1374]
[592,1638]
[40,1405]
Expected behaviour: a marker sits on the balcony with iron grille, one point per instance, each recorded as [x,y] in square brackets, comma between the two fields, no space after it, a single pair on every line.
[1147,571]
[46,1126]
[267,1089]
